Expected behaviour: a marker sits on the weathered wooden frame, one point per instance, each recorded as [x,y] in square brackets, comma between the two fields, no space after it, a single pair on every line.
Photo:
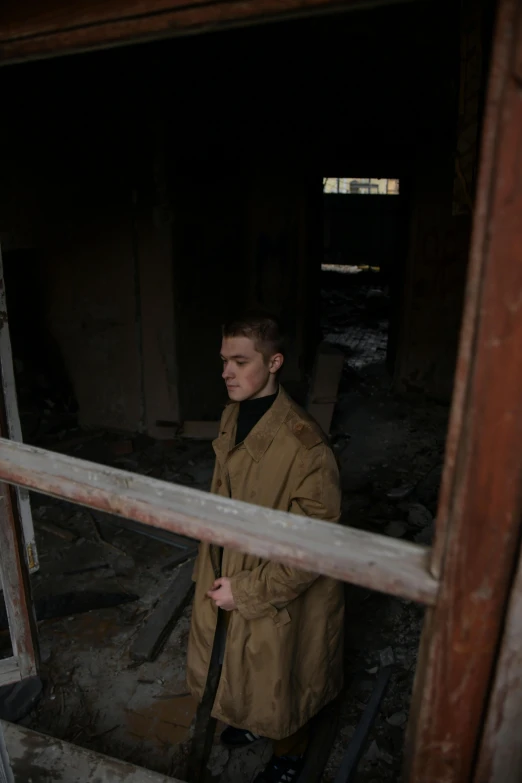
[14,579]
[467,702]
[53,27]
[477,545]
[13,425]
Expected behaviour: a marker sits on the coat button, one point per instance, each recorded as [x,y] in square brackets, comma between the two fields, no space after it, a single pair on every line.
[219,483]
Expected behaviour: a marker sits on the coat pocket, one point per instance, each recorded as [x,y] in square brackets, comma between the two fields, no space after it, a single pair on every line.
[282,618]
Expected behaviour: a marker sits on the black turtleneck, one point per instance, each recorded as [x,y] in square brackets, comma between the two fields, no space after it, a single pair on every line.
[250,412]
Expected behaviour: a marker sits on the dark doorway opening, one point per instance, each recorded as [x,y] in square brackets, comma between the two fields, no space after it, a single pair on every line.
[364,251]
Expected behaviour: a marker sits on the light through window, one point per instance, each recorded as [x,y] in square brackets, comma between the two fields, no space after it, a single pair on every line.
[361,185]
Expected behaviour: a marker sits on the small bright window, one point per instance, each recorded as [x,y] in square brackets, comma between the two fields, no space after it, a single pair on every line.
[361,185]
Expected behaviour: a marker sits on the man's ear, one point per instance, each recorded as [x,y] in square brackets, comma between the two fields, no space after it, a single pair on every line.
[276,362]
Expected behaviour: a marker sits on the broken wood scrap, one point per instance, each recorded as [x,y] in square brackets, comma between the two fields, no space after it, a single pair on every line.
[324,729]
[205,723]
[66,535]
[79,440]
[157,628]
[66,604]
[87,569]
[99,537]
[348,769]
[6,771]
[200,430]
[187,554]
[166,536]
[120,448]
[324,387]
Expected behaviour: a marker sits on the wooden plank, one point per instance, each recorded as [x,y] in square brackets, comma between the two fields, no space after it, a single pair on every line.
[6,772]
[205,724]
[154,633]
[14,428]
[329,365]
[14,575]
[38,757]
[14,578]
[323,733]
[373,561]
[500,759]
[178,542]
[44,29]
[324,388]
[484,462]
[348,769]
[9,671]
[200,430]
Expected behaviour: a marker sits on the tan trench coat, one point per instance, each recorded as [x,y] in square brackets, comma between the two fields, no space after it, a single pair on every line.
[284,651]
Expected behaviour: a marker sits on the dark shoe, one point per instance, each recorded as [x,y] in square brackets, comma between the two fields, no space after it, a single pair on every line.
[281,769]
[238,738]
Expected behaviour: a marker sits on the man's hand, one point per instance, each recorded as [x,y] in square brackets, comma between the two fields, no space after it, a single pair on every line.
[221,594]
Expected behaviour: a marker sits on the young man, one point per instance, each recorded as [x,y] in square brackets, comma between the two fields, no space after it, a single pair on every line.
[282,657]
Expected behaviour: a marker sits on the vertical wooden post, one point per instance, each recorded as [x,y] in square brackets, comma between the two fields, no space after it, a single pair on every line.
[12,422]
[14,575]
[15,582]
[479,518]
[6,773]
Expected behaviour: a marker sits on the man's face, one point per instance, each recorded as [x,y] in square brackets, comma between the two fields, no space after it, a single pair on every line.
[246,372]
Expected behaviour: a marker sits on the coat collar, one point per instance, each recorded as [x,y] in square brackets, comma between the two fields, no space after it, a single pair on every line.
[262,435]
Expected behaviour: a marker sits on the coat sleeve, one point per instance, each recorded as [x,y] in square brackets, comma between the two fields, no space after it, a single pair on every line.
[271,586]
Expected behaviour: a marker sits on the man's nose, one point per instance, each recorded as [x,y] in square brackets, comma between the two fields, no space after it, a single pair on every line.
[227,371]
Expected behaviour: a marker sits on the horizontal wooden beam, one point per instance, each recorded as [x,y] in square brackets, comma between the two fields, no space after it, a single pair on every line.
[44,28]
[9,671]
[35,756]
[372,561]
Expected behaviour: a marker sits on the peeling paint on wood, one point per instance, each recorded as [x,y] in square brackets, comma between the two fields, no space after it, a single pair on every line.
[370,560]
[14,427]
[37,757]
[500,759]
[480,509]
[16,590]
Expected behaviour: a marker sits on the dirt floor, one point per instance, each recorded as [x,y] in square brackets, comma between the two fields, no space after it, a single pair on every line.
[96,696]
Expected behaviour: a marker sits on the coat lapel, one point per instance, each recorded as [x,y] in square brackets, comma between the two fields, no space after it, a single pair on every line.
[267,427]
[261,436]
[224,443]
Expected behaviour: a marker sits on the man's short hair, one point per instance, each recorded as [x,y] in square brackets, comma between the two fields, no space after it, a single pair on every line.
[263,328]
